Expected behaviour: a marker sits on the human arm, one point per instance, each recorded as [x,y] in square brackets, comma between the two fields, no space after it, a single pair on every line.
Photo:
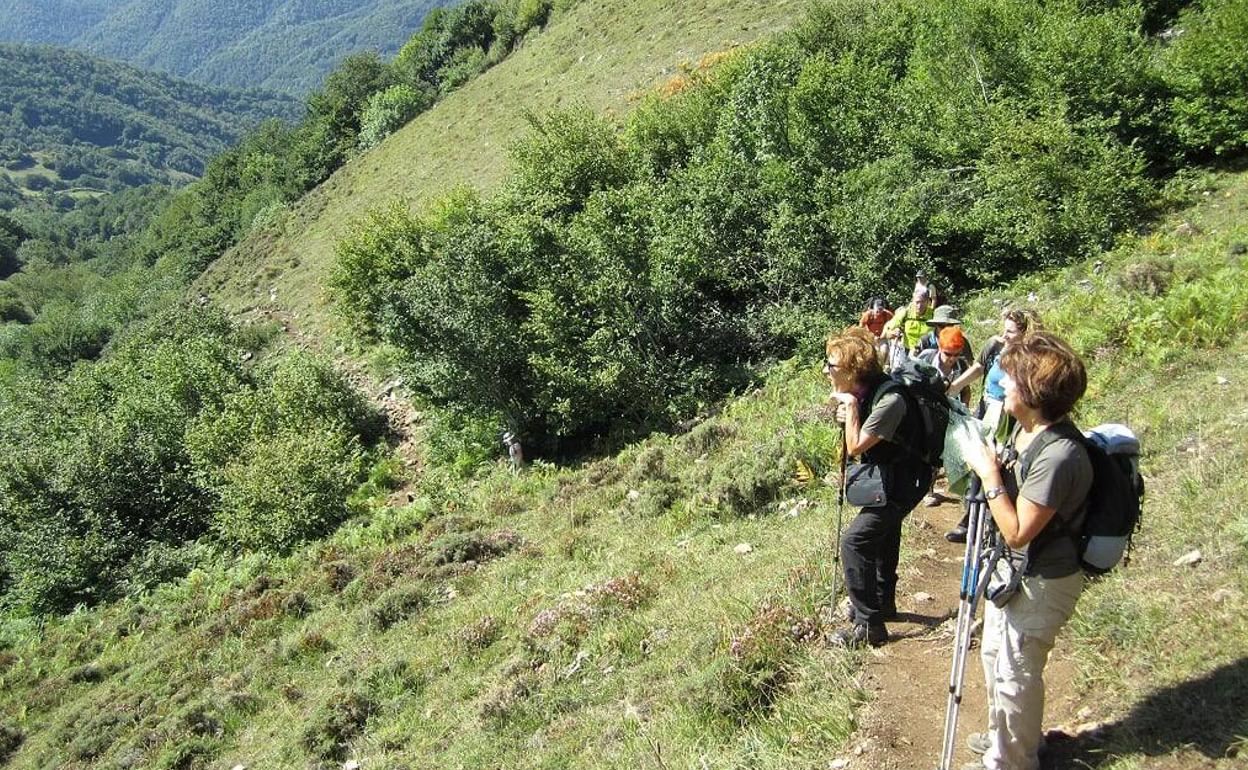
[1019,521]
[856,440]
[965,378]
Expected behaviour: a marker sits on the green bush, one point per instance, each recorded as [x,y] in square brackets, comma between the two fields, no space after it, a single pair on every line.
[387,111]
[625,276]
[1208,69]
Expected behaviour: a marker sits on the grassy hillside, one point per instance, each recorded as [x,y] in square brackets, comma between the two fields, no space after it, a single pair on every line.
[665,607]
[280,45]
[601,53]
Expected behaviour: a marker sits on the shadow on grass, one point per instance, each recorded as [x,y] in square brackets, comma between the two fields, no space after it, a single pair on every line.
[1208,716]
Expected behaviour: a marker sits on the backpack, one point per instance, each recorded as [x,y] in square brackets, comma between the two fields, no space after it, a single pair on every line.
[1115,499]
[924,390]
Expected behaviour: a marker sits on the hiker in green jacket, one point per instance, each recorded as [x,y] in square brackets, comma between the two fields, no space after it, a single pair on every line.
[909,323]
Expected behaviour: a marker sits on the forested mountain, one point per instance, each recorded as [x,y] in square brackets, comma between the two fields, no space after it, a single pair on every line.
[74,123]
[284,45]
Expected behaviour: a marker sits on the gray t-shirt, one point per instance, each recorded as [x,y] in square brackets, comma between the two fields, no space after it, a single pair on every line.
[1059,478]
[886,416]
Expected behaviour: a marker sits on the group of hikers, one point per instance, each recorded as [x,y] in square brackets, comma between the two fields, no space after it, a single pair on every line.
[1034,489]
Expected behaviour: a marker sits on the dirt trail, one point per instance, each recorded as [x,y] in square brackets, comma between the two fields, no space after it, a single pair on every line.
[908,678]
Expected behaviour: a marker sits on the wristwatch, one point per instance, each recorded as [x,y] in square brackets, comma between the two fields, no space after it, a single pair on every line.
[993,493]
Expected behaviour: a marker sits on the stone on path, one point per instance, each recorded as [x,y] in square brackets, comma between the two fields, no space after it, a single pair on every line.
[1189,559]
[744,548]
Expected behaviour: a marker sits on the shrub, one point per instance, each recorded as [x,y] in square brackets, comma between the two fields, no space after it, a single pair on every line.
[336,723]
[388,110]
[10,741]
[1207,70]
[397,604]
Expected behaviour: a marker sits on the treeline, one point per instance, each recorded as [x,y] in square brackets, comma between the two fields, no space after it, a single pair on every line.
[139,425]
[627,275]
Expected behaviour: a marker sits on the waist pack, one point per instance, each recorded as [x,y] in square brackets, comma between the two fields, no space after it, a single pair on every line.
[1115,499]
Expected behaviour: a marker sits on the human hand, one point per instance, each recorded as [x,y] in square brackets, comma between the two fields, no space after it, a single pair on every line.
[844,402]
[982,458]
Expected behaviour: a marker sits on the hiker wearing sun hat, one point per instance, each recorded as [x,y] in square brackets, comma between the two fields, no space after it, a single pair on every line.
[944,317]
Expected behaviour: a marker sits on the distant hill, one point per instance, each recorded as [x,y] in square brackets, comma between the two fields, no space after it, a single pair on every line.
[282,45]
[79,124]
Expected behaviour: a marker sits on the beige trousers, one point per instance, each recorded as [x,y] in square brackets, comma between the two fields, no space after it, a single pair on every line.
[1016,644]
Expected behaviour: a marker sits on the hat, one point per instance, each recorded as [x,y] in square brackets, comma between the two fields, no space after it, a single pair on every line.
[943,316]
[951,340]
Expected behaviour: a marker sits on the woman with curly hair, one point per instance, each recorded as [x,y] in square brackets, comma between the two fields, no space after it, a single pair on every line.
[881,424]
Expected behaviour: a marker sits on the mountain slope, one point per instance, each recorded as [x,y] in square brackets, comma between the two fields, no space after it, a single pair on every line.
[600,53]
[609,615]
[283,45]
[104,125]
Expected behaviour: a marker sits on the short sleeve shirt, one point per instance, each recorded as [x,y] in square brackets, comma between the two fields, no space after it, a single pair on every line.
[886,416]
[1059,478]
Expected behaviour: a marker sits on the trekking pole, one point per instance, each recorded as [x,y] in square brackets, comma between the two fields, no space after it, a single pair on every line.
[974,572]
[840,508]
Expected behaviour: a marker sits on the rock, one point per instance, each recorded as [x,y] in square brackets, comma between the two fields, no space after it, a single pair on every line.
[247,356]
[1084,714]
[743,548]
[922,597]
[837,764]
[239,767]
[1238,249]
[1222,381]
[351,764]
[1032,297]
[1186,230]
[1189,559]
[1223,595]
[1098,267]
[633,495]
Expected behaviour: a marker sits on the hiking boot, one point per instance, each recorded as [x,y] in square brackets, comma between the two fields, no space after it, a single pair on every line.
[978,743]
[956,535]
[858,636]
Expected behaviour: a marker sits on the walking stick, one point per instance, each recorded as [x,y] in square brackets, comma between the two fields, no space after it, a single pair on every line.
[976,568]
[840,508]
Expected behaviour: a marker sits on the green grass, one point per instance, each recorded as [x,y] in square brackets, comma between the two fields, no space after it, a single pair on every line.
[601,54]
[599,616]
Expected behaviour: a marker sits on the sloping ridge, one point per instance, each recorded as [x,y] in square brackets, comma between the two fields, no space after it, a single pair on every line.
[599,54]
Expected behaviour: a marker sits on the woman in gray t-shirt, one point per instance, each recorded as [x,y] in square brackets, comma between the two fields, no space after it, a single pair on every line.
[1032,510]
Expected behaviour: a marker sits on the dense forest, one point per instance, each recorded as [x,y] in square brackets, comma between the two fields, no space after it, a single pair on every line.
[281,45]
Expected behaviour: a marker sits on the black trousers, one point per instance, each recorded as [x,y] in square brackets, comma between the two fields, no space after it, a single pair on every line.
[870,549]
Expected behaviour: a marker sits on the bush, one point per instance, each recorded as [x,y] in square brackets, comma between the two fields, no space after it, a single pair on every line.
[1207,70]
[387,111]
[336,724]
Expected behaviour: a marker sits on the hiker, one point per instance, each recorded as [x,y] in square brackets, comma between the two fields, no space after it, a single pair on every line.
[909,323]
[875,316]
[921,282]
[1015,324]
[949,362]
[1035,501]
[880,424]
[515,452]
[944,317]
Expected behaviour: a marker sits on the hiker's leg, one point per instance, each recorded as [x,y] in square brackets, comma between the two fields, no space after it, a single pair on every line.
[890,554]
[989,648]
[860,553]
[1031,622]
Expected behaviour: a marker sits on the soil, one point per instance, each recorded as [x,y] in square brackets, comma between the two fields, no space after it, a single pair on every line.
[902,727]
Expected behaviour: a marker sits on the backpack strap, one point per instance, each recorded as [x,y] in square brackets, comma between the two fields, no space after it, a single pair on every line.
[1057,525]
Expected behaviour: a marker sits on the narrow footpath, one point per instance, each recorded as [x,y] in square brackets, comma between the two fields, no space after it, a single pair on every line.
[907,680]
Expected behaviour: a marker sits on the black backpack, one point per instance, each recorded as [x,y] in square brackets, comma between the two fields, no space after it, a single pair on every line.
[1115,499]
[924,390]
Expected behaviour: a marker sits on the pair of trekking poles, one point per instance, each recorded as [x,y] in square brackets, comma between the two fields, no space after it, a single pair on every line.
[978,561]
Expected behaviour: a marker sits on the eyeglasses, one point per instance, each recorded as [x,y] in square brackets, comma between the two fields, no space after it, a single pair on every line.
[830,365]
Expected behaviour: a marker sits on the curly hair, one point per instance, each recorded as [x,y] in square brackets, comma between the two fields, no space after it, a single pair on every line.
[1026,319]
[1048,374]
[854,348]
